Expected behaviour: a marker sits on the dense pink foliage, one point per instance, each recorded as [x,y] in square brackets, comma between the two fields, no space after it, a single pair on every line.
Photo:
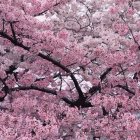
[73,76]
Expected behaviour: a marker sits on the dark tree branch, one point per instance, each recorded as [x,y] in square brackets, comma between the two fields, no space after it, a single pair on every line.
[105,113]
[5,89]
[11,69]
[58,64]
[132,34]
[126,89]
[123,72]
[94,89]
[16,43]
[79,103]
[81,100]
[32,87]
[135,76]
[3,24]
[103,76]
[13,31]
[43,12]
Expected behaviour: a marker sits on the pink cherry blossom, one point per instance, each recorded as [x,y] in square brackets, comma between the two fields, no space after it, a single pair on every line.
[69,70]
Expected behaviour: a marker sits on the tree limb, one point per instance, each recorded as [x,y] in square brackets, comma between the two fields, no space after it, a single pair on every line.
[16,43]
[103,76]
[126,89]
[53,61]
[32,87]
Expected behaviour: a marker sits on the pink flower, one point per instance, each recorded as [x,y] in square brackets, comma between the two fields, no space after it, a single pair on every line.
[113,10]
[63,35]
[121,28]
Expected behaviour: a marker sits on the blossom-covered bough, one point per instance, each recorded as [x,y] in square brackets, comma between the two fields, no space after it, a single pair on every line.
[74,75]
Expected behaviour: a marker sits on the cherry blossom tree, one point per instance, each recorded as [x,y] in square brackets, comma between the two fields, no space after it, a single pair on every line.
[73,75]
